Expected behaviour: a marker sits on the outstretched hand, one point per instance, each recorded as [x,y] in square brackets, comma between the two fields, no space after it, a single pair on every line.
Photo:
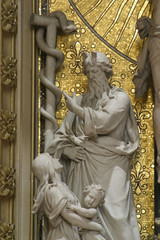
[70,101]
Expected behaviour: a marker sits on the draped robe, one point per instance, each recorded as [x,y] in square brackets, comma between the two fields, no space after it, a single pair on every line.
[108,137]
[55,199]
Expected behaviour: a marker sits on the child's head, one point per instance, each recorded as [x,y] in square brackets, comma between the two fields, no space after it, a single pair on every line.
[93,196]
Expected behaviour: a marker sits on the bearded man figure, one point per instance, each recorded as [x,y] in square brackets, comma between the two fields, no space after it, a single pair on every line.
[95,143]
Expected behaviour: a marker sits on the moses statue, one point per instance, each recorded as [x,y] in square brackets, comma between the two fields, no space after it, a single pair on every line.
[95,143]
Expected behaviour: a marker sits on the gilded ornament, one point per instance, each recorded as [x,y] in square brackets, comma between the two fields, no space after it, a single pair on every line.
[7,182]
[145,235]
[78,89]
[139,210]
[9,71]
[79,31]
[141,115]
[7,125]
[9,16]
[113,18]
[139,152]
[52,1]
[133,68]
[75,55]
[138,178]
[153,237]
[115,83]
[6,231]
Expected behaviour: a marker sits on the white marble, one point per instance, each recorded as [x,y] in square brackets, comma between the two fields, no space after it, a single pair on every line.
[95,143]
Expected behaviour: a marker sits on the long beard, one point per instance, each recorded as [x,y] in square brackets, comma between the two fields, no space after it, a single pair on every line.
[94,93]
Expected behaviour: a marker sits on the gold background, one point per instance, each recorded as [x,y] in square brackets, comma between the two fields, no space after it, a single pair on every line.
[108,26]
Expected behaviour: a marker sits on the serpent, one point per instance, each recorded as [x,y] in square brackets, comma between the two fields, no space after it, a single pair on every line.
[67,26]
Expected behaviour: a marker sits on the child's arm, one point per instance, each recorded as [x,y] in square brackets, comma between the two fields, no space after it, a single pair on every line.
[80,221]
[85,212]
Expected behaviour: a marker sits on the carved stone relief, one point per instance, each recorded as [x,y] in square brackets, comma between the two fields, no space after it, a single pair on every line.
[9,16]
[7,125]
[6,231]
[9,71]
[8,25]
[7,182]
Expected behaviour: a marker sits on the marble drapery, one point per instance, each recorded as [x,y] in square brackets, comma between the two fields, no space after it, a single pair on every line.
[108,138]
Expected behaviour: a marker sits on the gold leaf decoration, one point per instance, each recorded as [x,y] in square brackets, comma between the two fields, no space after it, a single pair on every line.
[7,125]
[138,176]
[9,71]
[9,16]
[141,115]
[6,231]
[75,55]
[78,89]
[80,30]
[153,237]
[7,181]
[133,68]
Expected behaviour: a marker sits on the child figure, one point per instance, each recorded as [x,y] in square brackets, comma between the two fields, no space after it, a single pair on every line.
[52,200]
[93,197]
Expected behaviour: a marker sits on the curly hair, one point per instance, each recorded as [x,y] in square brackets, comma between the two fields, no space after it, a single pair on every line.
[98,188]
[98,59]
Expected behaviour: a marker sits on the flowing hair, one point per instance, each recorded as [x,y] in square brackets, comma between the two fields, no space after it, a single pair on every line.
[97,87]
[98,59]
[41,169]
[98,188]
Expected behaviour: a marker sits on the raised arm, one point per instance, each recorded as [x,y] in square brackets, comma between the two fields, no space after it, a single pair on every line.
[73,106]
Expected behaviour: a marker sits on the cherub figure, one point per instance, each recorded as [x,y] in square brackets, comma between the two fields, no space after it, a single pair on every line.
[52,199]
[93,197]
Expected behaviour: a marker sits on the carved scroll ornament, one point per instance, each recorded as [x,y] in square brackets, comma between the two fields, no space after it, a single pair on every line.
[7,182]
[7,125]
[6,231]
[9,71]
[9,16]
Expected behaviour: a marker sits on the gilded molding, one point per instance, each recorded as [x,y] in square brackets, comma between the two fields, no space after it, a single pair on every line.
[7,182]
[6,231]
[7,125]
[9,71]
[9,16]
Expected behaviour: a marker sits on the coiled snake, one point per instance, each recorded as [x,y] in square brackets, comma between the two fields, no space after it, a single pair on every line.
[67,27]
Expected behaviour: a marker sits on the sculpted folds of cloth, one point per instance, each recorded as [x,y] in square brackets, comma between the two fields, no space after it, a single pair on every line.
[95,143]
[59,207]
